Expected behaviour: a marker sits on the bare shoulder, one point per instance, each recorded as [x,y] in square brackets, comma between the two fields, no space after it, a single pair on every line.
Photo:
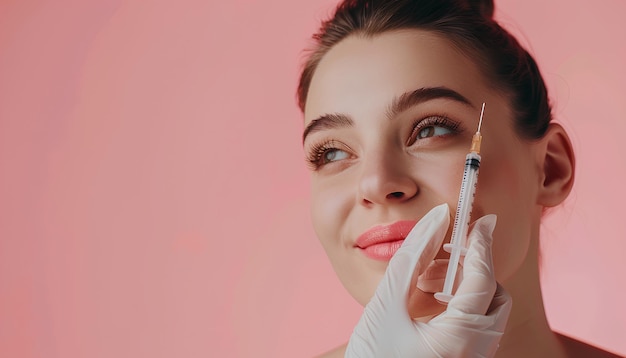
[338,352]
[576,348]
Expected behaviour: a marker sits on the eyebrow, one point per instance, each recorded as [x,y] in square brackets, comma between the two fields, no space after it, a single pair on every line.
[398,105]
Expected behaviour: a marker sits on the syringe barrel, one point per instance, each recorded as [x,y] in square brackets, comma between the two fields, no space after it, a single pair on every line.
[458,240]
[466,199]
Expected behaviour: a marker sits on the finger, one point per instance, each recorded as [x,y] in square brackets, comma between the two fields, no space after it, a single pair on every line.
[433,278]
[485,329]
[500,308]
[423,242]
[476,291]
[421,304]
[417,251]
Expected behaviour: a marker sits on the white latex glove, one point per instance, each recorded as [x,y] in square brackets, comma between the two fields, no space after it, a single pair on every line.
[471,325]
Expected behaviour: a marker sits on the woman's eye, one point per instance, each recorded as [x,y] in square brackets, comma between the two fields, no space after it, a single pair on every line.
[332,155]
[434,126]
[326,153]
[433,131]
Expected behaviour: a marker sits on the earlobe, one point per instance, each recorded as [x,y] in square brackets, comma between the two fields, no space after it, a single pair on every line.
[558,167]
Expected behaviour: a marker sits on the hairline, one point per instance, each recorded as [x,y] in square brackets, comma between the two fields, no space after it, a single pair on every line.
[462,46]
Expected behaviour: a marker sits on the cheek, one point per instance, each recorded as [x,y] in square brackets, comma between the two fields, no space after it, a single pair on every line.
[333,201]
[507,188]
[330,205]
[439,178]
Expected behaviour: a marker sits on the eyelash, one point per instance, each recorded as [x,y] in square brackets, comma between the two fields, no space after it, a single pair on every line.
[319,150]
[432,121]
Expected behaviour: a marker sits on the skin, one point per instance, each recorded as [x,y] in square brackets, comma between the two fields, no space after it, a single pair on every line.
[380,170]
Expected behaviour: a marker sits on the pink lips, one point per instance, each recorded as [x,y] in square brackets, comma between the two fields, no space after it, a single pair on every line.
[381,242]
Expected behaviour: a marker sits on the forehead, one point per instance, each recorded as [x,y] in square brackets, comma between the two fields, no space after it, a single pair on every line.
[364,74]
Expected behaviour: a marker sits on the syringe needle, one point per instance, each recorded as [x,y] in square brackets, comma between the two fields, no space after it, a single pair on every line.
[480,122]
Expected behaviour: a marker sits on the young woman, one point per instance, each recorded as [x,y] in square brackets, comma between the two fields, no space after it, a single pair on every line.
[391,97]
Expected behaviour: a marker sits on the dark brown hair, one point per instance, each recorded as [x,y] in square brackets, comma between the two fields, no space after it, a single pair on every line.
[469,24]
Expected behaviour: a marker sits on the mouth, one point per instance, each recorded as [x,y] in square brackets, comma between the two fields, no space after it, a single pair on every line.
[383,241]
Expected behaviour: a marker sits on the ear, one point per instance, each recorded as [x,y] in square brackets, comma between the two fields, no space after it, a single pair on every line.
[557,155]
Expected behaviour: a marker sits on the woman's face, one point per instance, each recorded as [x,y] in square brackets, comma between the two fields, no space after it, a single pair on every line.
[389,121]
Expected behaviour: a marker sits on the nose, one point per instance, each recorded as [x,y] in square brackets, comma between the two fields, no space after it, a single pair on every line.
[386,179]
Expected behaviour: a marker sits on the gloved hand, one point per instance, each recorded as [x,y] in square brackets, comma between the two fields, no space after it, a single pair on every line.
[474,320]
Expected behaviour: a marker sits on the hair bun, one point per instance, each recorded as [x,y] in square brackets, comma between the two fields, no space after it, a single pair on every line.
[484,8]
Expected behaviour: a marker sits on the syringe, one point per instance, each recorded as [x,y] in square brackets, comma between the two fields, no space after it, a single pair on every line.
[458,242]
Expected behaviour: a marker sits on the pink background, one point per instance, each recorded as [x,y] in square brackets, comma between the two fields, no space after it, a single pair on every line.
[153,195]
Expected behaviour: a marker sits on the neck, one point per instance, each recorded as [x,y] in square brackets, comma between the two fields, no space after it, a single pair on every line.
[528,333]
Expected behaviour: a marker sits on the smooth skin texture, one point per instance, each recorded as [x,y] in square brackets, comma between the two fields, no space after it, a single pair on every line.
[369,168]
